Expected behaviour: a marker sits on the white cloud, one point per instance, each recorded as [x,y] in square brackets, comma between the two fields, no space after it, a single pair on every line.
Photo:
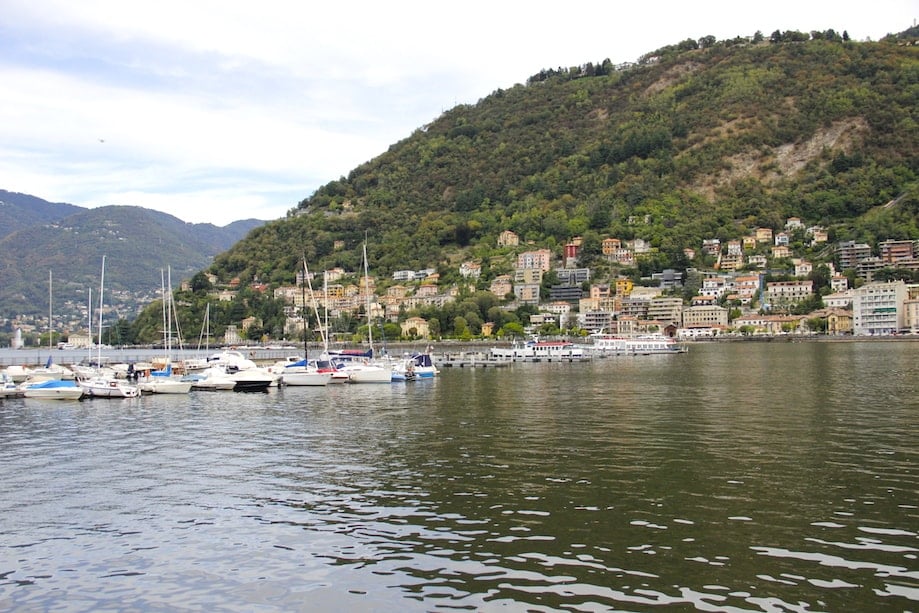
[213,110]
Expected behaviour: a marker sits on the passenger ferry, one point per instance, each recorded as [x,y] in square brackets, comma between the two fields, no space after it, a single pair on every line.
[536,351]
[607,345]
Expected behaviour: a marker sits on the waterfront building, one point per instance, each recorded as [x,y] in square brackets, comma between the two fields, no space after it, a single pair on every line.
[878,308]
[783,294]
[635,307]
[666,310]
[911,315]
[839,300]
[416,326]
[705,316]
[770,324]
[838,321]
[595,320]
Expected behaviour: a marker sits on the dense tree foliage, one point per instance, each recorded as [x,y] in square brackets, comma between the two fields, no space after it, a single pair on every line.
[701,139]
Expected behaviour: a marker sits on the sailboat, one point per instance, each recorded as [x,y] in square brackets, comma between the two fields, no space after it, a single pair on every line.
[192,365]
[101,385]
[304,372]
[49,382]
[50,370]
[162,381]
[362,368]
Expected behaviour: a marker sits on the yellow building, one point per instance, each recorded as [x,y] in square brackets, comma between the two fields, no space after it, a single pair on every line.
[416,326]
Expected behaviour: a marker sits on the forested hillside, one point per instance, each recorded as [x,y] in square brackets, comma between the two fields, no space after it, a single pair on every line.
[20,211]
[701,139]
[138,243]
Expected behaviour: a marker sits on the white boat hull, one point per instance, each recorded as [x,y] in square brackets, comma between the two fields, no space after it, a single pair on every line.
[109,388]
[53,389]
[306,378]
[55,394]
[165,386]
[370,374]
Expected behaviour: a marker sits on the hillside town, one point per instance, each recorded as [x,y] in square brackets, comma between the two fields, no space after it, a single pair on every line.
[732,297]
[754,286]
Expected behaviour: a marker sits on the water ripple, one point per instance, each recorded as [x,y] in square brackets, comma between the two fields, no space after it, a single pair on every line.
[611,485]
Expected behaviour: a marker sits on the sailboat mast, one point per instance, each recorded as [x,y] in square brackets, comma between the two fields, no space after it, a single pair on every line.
[89,319]
[50,312]
[165,325]
[367,294]
[325,302]
[303,308]
[309,284]
[101,294]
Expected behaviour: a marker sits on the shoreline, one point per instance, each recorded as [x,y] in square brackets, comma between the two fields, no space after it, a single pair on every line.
[33,357]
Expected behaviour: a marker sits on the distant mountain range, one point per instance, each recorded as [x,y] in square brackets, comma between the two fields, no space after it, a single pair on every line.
[37,236]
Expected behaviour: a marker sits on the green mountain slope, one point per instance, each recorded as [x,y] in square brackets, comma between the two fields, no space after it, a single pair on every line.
[138,243]
[694,141]
[20,211]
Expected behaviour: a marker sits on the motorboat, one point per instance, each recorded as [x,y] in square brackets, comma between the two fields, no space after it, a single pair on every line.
[359,366]
[52,389]
[164,385]
[304,372]
[102,386]
[420,366]
[163,382]
[214,378]
[8,387]
[251,379]
[18,373]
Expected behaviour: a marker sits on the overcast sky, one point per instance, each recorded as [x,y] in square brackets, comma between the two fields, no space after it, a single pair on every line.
[218,110]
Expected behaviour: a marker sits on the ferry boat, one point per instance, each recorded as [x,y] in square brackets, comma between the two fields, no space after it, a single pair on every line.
[607,345]
[536,351]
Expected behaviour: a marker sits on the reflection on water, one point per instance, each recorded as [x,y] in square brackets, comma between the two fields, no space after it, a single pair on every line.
[753,477]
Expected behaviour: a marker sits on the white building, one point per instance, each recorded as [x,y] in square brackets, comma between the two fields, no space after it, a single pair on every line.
[877,308]
[839,300]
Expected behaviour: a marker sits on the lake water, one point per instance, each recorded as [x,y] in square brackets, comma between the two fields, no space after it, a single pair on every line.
[737,477]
